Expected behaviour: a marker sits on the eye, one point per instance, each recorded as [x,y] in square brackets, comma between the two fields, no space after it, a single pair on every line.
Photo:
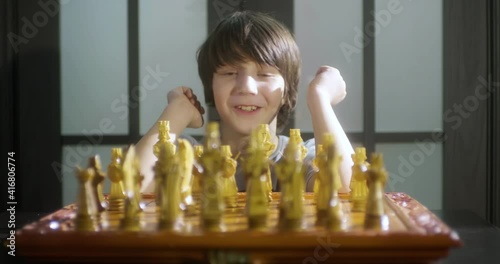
[227,72]
[267,71]
[266,74]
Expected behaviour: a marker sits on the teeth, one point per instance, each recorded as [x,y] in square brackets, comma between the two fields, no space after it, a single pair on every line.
[247,108]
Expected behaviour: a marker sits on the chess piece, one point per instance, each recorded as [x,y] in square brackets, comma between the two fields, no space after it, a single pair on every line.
[131,180]
[359,189]
[290,172]
[336,220]
[163,139]
[185,157]
[315,165]
[255,168]
[324,182]
[296,137]
[197,170]
[86,215]
[212,200]
[95,164]
[117,195]
[264,138]
[229,187]
[137,182]
[164,162]
[163,136]
[376,177]
[360,154]
[170,209]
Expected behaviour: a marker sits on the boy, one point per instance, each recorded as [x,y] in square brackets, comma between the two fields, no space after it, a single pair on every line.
[250,68]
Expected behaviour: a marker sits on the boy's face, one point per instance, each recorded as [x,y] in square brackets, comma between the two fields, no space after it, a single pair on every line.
[247,95]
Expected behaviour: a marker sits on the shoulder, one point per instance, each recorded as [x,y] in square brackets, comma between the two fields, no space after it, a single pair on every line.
[282,142]
[280,147]
[310,145]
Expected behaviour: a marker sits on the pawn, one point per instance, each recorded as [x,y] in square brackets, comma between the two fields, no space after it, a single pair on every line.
[86,215]
[163,136]
[197,172]
[315,164]
[131,179]
[290,173]
[264,138]
[164,161]
[185,157]
[137,182]
[255,168]
[95,164]
[359,160]
[296,136]
[229,189]
[359,188]
[170,210]
[376,177]
[163,139]
[324,184]
[117,196]
[336,220]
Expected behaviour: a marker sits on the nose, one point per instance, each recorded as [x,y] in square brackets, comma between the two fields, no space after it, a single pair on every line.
[246,85]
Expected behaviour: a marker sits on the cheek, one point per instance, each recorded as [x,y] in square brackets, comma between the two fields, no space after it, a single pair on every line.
[217,90]
[280,100]
[277,94]
[218,98]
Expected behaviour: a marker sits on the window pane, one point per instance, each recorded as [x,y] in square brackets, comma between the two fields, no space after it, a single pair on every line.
[416,169]
[408,65]
[170,34]
[327,33]
[94,67]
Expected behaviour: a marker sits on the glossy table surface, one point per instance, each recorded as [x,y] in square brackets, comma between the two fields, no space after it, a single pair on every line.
[481,239]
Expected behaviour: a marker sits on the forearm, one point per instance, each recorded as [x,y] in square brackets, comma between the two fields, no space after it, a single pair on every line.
[178,120]
[324,121]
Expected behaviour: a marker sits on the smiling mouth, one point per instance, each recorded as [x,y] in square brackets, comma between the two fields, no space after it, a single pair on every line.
[247,108]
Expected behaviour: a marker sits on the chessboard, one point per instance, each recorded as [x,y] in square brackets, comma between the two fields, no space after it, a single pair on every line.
[414,235]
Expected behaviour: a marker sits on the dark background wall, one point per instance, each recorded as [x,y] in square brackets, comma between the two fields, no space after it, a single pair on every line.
[30,103]
[471,74]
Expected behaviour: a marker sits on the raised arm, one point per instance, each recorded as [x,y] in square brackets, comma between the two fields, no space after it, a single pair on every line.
[183,110]
[326,90]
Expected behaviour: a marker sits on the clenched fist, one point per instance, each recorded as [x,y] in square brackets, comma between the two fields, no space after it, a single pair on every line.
[187,101]
[328,83]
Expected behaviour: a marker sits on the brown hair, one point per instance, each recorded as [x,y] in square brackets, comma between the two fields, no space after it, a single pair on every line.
[252,36]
